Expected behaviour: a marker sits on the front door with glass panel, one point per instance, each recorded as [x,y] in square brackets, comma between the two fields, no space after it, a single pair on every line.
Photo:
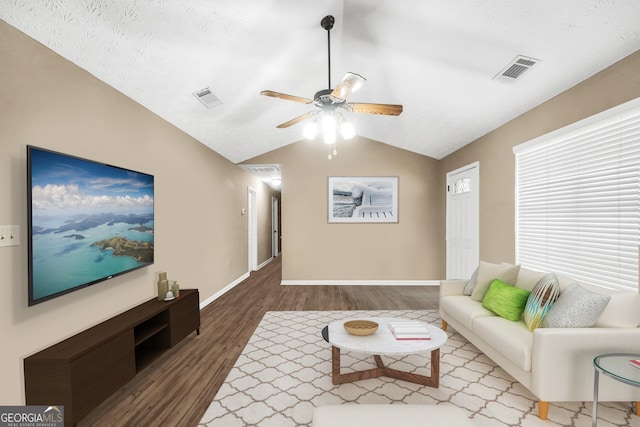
[463,217]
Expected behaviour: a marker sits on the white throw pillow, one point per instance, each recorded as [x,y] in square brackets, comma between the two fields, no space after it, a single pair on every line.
[623,311]
[576,307]
[488,272]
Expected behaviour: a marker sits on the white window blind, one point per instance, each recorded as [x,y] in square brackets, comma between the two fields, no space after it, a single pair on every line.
[578,199]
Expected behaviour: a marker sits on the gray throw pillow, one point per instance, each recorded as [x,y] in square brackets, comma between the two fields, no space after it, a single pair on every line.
[468,288]
[576,307]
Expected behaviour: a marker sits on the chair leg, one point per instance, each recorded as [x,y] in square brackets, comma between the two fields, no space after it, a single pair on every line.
[638,409]
[543,409]
[444,325]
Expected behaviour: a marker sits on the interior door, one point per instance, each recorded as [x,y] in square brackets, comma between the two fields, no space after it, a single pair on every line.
[252,213]
[463,217]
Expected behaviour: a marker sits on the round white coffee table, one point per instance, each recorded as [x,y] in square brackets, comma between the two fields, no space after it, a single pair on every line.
[383,343]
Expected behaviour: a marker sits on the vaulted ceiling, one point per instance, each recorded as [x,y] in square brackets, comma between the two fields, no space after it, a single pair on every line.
[438,58]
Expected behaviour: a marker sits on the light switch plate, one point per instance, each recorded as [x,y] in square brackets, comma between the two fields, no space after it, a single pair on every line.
[9,235]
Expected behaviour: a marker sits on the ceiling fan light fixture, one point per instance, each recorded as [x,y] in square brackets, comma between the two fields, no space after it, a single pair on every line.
[310,129]
[329,128]
[329,138]
[347,130]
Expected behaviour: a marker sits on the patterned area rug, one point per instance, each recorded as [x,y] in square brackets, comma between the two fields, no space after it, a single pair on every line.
[285,371]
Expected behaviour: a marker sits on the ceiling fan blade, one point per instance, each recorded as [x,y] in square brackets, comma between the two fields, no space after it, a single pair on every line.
[386,109]
[285,96]
[350,83]
[296,120]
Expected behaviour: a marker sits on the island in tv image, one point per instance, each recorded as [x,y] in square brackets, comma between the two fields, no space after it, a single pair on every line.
[89,222]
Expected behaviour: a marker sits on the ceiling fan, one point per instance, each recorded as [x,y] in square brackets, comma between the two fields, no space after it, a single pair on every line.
[328,100]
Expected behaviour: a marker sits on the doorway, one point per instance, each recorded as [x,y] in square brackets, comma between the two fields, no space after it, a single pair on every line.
[252,214]
[463,218]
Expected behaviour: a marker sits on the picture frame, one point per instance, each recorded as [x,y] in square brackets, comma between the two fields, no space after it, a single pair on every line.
[360,199]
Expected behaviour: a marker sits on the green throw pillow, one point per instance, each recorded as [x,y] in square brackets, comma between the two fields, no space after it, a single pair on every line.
[505,300]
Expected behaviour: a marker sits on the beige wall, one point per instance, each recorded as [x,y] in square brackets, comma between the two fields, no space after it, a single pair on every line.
[313,249]
[200,234]
[613,86]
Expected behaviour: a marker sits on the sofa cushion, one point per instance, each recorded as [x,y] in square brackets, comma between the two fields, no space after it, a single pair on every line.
[505,300]
[542,297]
[488,272]
[511,339]
[463,309]
[371,415]
[623,311]
[576,307]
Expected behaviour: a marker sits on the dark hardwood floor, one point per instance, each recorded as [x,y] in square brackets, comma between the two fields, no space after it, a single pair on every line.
[177,388]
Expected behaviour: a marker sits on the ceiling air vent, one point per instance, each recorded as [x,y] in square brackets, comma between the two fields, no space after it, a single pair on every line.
[518,66]
[208,98]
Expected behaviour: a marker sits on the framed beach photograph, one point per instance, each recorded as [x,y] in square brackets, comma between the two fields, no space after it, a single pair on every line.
[358,199]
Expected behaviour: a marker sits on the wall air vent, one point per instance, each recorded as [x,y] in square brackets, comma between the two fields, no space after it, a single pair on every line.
[263,169]
[518,66]
[208,98]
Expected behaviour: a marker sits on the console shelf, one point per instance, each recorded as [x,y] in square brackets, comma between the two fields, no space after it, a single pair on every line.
[143,334]
[85,369]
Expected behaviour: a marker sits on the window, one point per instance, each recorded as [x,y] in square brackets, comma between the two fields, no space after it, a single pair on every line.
[577,199]
[462,186]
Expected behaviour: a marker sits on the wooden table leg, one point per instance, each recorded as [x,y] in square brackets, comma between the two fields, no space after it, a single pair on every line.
[335,365]
[432,381]
[338,378]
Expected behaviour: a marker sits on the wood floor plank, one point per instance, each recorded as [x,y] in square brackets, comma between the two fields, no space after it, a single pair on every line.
[177,388]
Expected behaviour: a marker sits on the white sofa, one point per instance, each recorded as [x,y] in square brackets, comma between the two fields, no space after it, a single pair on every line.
[374,415]
[555,364]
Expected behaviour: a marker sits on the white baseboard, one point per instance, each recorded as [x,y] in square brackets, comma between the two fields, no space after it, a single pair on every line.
[230,286]
[362,282]
[264,263]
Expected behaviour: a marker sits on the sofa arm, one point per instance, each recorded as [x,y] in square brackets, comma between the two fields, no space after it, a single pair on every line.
[452,287]
[562,367]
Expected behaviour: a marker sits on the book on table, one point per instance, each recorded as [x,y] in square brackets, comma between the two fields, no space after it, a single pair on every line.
[409,331]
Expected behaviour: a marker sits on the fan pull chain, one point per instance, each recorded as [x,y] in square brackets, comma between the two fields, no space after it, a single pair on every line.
[334,153]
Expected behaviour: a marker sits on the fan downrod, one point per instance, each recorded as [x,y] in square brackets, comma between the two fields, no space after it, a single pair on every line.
[327,23]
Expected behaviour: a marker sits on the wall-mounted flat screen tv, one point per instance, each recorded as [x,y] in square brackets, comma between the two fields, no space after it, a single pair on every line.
[88,222]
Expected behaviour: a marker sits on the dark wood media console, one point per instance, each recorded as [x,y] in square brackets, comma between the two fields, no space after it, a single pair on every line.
[85,369]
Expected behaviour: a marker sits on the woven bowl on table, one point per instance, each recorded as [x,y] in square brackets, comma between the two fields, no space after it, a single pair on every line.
[361,327]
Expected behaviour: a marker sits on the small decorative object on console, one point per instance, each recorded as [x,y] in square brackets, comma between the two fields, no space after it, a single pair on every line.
[163,285]
[175,289]
[361,327]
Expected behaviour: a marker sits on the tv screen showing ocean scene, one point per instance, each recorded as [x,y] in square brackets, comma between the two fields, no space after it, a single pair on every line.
[88,222]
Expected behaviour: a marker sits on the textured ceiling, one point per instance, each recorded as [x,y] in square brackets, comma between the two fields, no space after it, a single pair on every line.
[436,57]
